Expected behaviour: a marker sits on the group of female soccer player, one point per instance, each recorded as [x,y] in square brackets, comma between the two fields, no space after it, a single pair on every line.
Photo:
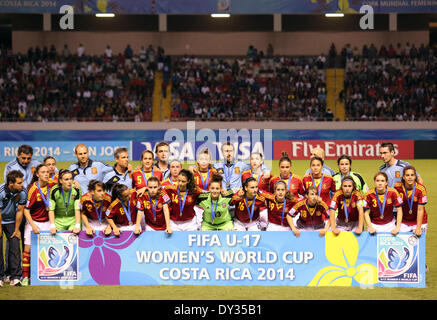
[198,199]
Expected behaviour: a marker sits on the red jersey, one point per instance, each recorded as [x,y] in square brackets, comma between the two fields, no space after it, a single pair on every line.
[188,212]
[338,201]
[242,209]
[202,179]
[420,197]
[138,180]
[157,221]
[275,210]
[169,181]
[263,183]
[35,202]
[294,184]
[54,179]
[116,212]
[328,185]
[393,200]
[310,216]
[92,209]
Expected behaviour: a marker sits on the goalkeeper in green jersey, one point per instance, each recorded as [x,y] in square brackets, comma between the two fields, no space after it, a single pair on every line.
[64,211]
[344,163]
[215,204]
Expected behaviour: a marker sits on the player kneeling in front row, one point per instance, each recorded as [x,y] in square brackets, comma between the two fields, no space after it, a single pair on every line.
[379,204]
[349,202]
[312,214]
[215,205]
[123,212]
[64,214]
[155,204]
[249,204]
[278,206]
[93,204]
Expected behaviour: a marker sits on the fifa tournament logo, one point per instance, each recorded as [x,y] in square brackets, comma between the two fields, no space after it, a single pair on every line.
[58,257]
[398,258]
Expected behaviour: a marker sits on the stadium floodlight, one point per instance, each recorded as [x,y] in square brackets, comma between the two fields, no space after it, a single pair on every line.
[220,15]
[334,15]
[105,15]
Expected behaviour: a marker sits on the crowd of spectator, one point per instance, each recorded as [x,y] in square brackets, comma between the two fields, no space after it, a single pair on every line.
[389,83]
[49,85]
[251,87]
[397,83]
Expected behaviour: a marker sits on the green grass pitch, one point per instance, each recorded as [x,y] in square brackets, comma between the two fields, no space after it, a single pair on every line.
[366,167]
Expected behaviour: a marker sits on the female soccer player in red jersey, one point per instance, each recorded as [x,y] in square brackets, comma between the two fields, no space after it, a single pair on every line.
[204,171]
[311,212]
[262,178]
[184,214]
[324,183]
[293,182]
[93,206]
[349,202]
[278,206]
[140,176]
[36,213]
[414,196]
[248,205]
[50,162]
[175,167]
[123,211]
[155,203]
[379,204]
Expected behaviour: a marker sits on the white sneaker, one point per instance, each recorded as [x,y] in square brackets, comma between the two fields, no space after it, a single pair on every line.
[1,283]
[16,283]
[7,279]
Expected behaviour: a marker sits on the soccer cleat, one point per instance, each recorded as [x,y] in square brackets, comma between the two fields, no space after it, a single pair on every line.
[16,283]
[25,282]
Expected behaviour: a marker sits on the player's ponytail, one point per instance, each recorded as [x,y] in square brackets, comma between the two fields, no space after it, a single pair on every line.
[284,157]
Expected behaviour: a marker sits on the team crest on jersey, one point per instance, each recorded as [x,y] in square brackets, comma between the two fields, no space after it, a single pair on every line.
[397,174]
[415,199]
[318,213]
[353,205]
[292,186]
[189,199]
[220,170]
[17,198]
[33,170]
[389,201]
[324,186]
[237,170]
[159,205]
[224,205]
[94,170]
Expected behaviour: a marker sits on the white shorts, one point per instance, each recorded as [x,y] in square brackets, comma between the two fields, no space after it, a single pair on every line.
[199,215]
[388,227]
[127,228]
[43,226]
[242,226]
[189,225]
[277,227]
[95,224]
[411,228]
[346,226]
[263,218]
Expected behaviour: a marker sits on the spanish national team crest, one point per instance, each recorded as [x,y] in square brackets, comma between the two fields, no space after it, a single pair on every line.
[398,174]
[94,170]
[57,257]
[398,258]
[237,170]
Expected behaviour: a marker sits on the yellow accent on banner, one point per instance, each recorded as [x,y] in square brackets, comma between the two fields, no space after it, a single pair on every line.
[342,251]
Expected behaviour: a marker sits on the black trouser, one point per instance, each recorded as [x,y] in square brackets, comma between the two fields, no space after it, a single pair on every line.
[23,223]
[13,254]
